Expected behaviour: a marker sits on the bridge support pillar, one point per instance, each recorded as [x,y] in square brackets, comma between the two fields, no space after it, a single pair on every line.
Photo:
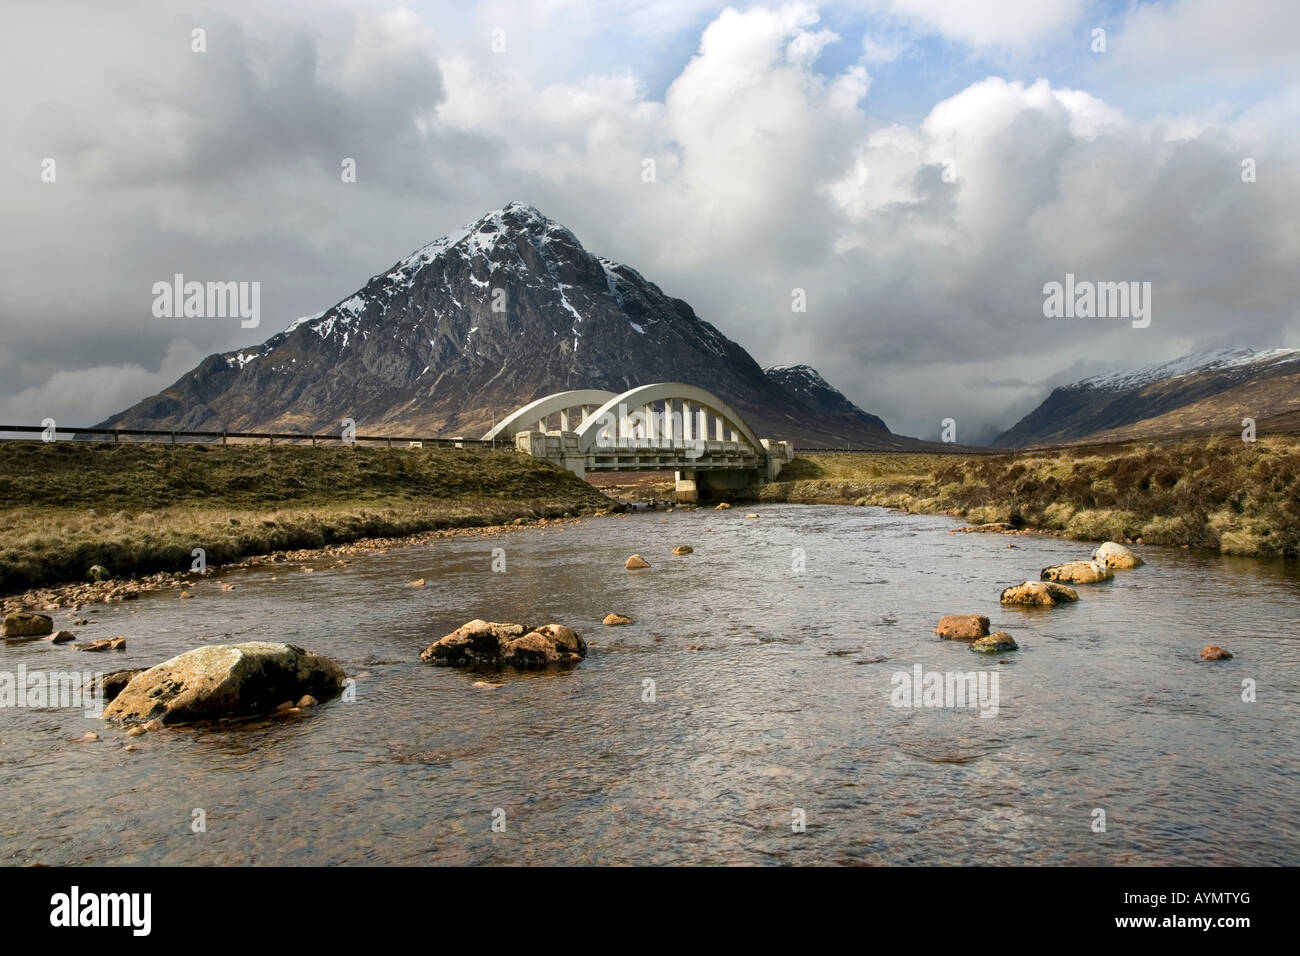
[721,484]
[687,490]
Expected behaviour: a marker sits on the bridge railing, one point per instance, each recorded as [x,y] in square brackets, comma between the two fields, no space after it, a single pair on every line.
[166,436]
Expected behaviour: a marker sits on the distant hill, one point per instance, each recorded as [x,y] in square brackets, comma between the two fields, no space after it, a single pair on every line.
[1202,392]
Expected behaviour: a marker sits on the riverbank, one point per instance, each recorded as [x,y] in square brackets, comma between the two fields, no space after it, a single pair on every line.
[140,509]
[1220,494]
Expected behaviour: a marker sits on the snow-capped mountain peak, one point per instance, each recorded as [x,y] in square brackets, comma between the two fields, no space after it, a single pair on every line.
[484,319]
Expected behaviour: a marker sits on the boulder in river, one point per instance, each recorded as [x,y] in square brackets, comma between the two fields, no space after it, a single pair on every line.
[683,549]
[61,637]
[995,643]
[1039,594]
[636,562]
[514,645]
[962,627]
[1078,572]
[1213,652]
[613,620]
[723,506]
[26,624]
[1116,556]
[225,680]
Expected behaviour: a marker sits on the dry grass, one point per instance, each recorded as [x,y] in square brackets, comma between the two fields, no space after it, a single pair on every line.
[141,508]
[1217,493]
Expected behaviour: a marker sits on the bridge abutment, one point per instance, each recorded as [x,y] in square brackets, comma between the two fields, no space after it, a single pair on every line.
[687,489]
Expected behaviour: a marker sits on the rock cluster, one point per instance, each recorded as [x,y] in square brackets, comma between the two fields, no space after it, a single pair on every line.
[485,643]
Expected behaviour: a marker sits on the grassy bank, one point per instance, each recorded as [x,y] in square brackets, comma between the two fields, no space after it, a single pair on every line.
[141,508]
[1216,493]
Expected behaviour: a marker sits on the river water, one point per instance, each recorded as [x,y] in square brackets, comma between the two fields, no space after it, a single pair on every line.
[784,715]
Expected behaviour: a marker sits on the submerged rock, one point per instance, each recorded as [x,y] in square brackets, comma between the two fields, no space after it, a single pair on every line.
[1116,556]
[1039,594]
[613,620]
[26,624]
[1213,652]
[636,562]
[962,627]
[1078,572]
[722,507]
[225,680]
[995,643]
[683,549]
[104,644]
[513,645]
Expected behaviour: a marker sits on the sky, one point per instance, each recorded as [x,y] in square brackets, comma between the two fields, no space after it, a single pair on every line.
[919,169]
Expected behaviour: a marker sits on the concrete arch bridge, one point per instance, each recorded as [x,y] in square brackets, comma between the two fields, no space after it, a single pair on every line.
[669,426]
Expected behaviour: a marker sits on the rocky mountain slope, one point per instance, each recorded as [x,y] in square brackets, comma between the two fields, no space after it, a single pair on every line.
[479,322]
[1206,391]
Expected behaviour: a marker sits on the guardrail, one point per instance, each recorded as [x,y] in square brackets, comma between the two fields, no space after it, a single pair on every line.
[168,436]
[172,437]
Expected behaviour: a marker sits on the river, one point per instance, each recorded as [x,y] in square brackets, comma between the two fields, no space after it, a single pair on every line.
[776,743]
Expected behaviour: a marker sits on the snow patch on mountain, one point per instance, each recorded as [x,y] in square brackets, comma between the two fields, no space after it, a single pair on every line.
[801,378]
[1208,361]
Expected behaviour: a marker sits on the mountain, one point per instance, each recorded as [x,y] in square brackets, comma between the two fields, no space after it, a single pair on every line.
[806,386]
[1205,391]
[421,350]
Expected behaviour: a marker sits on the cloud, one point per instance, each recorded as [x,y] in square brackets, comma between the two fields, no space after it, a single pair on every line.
[76,397]
[988,23]
[1226,42]
[922,246]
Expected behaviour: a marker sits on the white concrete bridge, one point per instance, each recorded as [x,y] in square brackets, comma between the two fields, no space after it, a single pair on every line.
[665,427]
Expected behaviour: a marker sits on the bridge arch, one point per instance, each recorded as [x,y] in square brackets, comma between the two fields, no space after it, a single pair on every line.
[618,409]
[527,417]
